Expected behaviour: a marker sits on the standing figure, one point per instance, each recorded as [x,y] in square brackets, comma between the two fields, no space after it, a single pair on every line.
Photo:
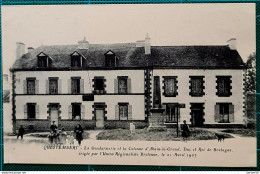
[185,131]
[53,132]
[20,132]
[63,136]
[79,131]
[70,138]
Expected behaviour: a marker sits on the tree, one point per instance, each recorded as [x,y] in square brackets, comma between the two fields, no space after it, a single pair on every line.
[250,85]
[250,89]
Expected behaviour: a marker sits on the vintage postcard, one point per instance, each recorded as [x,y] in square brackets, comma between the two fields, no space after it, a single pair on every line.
[164,84]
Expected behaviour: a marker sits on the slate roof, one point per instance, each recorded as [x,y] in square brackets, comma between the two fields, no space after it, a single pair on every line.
[131,56]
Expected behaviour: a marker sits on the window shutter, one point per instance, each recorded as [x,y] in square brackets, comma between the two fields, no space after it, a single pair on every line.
[231,113]
[129,90]
[116,112]
[59,86]
[164,107]
[25,112]
[37,109]
[129,112]
[47,86]
[70,111]
[116,86]
[82,111]
[179,114]
[69,86]
[25,87]
[81,86]
[36,86]
[217,114]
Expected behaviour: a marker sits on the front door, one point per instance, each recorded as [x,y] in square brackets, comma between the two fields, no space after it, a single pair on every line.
[54,115]
[197,119]
[99,117]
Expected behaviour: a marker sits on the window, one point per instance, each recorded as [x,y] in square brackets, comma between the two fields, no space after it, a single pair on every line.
[170,86]
[75,85]
[53,85]
[156,92]
[110,59]
[42,62]
[76,111]
[123,111]
[224,112]
[30,85]
[31,110]
[172,112]
[99,85]
[122,85]
[224,86]
[196,86]
[75,61]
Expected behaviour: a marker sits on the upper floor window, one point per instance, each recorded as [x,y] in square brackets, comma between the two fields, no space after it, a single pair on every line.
[122,85]
[44,61]
[224,86]
[77,60]
[111,59]
[99,85]
[53,85]
[30,85]
[196,86]
[75,85]
[170,86]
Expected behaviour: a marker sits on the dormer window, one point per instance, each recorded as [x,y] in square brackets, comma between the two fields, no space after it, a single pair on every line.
[77,60]
[111,59]
[44,61]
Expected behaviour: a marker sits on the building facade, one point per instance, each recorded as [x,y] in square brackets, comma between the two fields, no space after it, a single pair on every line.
[112,85]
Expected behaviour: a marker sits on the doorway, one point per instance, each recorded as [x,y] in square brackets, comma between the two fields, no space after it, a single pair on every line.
[99,117]
[197,114]
[54,113]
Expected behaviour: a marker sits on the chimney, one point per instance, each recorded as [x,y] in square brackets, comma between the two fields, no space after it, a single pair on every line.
[30,49]
[83,44]
[147,45]
[20,49]
[232,43]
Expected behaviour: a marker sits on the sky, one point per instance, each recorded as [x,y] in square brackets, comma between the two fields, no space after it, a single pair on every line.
[167,24]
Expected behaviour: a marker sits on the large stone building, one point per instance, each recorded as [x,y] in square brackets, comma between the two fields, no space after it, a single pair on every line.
[112,85]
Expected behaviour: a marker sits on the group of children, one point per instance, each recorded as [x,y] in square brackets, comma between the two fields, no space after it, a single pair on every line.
[62,137]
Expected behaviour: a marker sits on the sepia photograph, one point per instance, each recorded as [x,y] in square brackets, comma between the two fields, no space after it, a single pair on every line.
[164,84]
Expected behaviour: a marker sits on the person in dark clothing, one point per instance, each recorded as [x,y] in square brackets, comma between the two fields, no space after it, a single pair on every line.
[53,127]
[53,132]
[20,132]
[185,131]
[79,131]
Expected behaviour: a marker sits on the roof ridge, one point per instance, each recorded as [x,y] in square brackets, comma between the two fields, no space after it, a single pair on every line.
[189,45]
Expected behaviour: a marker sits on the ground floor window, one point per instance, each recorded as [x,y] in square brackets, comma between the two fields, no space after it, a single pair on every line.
[172,112]
[31,110]
[224,112]
[76,111]
[123,111]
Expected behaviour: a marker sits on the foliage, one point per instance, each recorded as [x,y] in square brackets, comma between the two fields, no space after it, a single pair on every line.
[146,135]
[241,132]
[250,85]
